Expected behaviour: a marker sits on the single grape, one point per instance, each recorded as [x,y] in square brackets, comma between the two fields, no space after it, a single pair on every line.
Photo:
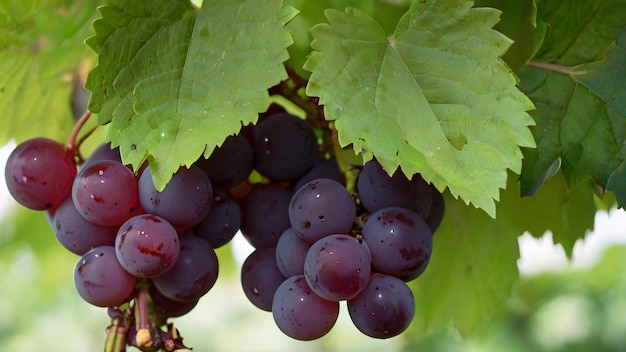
[230,164]
[327,168]
[100,280]
[378,190]
[384,309]
[77,234]
[320,208]
[222,222]
[400,242]
[194,273]
[285,147]
[103,152]
[105,193]
[170,308]
[260,277]
[290,253]
[337,267]
[437,210]
[265,214]
[301,314]
[39,174]
[147,246]
[184,202]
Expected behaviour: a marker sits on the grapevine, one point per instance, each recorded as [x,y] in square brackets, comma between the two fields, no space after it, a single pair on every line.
[353,167]
[155,257]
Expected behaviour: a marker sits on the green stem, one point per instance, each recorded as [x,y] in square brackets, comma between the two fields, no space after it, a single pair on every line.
[116,336]
[567,70]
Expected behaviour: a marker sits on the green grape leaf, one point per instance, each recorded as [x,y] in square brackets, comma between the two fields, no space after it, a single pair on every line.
[568,213]
[434,97]
[606,78]
[462,283]
[471,273]
[174,82]
[574,125]
[580,105]
[579,31]
[41,56]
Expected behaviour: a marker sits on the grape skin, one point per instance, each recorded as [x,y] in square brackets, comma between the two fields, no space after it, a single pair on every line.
[337,267]
[170,308]
[260,277]
[301,314]
[400,242]
[324,169]
[191,185]
[105,193]
[194,273]
[39,174]
[222,222]
[437,210]
[77,234]
[100,279]
[378,190]
[290,253]
[147,246]
[285,147]
[230,164]
[320,208]
[384,309]
[265,214]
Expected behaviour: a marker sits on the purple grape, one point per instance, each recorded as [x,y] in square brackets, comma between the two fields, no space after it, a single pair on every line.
[324,169]
[378,190]
[384,309]
[320,208]
[222,222]
[230,164]
[290,253]
[169,307]
[301,314]
[39,174]
[77,234]
[260,277]
[337,267]
[100,280]
[285,147]
[103,152]
[400,242]
[265,214]
[437,210]
[105,193]
[147,246]
[184,202]
[194,273]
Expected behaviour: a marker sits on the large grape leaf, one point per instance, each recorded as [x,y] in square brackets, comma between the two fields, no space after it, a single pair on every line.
[174,82]
[433,97]
[41,54]
[567,212]
[580,116]
[474,264]
[471,273]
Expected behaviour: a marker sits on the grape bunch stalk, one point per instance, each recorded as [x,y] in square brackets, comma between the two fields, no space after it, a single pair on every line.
[324,230]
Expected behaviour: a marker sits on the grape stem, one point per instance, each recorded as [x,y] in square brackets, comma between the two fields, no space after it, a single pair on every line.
[571,71]
[72,146]
[116,335]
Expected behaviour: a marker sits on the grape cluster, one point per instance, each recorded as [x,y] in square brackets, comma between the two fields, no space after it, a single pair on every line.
[316,243]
